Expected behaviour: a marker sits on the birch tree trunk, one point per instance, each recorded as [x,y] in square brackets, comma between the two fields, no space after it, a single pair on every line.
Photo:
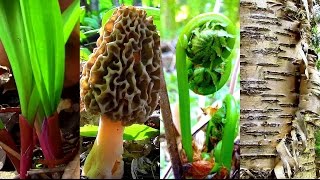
[279,98]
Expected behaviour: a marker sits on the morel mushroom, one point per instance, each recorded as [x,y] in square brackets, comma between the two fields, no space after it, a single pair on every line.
[121,82]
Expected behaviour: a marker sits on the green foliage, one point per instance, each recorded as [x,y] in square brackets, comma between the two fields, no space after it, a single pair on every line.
[222,129]
[215,127]
[12,35]
[84,54]
[231,9]
[133,132]
[317,147]
[70,17]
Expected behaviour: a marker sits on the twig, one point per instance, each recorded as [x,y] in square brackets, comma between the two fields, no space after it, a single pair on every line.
[41,171]
[10,150]
[10,109]
[170,131]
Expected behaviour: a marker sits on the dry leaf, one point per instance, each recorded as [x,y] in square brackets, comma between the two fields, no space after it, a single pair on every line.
[72,170]
[200,169]
[5,75]
[64,104]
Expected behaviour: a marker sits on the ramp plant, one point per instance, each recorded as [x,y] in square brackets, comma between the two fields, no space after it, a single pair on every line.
[34,34]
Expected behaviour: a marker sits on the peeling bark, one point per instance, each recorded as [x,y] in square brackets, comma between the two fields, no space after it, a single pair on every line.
[280,91]
[309,109]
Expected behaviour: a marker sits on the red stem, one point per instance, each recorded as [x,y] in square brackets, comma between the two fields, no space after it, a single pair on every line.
[27,145]
[6,138]
[50,138]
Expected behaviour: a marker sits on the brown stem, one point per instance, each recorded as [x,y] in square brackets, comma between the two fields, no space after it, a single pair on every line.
[10,109]
[170,131]
[9,150]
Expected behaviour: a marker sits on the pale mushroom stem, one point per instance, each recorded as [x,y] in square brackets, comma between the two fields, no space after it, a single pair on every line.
[105,158]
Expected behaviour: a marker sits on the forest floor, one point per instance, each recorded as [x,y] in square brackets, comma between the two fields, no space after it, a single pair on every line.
[69,128]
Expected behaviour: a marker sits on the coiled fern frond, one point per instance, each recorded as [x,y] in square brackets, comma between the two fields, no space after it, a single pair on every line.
[208,50]
[204,54]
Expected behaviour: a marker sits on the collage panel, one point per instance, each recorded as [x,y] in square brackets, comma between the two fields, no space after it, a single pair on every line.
[280,83]
[159,89]
[200,55]
[39,89]
[119,89]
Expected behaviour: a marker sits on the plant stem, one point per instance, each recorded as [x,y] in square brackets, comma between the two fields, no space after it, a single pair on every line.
[49,137]
[229,132]
[27,145]
[183,85]
[170,131]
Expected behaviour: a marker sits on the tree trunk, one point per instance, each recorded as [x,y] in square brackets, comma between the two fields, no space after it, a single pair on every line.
[274,91]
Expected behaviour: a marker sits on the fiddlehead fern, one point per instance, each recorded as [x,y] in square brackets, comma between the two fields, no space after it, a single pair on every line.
[208,48]
[203,64]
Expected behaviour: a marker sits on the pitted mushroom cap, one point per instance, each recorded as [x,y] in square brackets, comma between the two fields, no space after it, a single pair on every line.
[121,78]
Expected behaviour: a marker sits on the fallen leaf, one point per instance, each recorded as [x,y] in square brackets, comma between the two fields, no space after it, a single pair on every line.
[5,75]
[72,170]
[199,169]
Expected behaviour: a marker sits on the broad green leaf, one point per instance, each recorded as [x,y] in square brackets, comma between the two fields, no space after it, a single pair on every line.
[12,35]
[83,37]
[46,46]
[133,132]
[105,4]
[92,22]
[139,132]
[84,54]
[70,18]
[126,2]
[34,103]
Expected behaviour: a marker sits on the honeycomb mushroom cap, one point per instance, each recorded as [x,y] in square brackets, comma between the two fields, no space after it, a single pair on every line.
[121,79]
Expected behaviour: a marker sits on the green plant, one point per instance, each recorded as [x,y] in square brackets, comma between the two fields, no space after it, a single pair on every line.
[36,53]
[205,47]
[224,149]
